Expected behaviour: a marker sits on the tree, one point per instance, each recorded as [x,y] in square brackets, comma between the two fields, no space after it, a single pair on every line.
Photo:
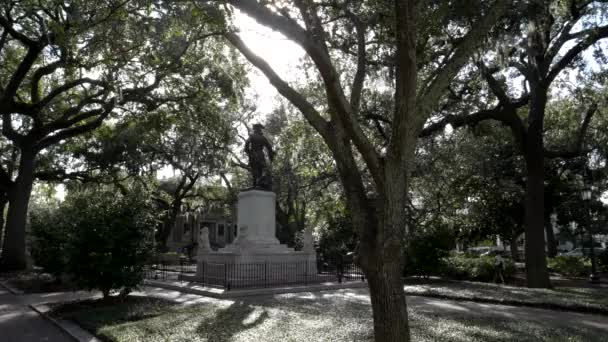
[544,40]
[68,68]
[484,176]
[303,171]
[375,180]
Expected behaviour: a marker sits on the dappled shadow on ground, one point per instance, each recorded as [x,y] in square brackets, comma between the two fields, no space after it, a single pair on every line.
[113,310]
[343,315]
[464,328]
[230,321]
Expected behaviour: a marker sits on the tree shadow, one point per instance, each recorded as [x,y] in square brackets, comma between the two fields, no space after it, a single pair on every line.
[226,323]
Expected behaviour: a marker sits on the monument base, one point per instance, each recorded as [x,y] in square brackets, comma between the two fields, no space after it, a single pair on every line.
[255,257]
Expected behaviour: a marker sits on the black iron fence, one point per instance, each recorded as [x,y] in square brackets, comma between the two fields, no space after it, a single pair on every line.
[255,274]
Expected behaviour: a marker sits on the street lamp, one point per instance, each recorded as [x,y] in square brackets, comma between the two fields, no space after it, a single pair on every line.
[586,197]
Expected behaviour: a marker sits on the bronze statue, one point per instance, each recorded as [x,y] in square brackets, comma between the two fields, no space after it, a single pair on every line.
[260,169]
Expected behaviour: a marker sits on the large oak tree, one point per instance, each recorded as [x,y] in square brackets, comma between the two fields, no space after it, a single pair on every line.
[375,178]
[544,41]
[68,67]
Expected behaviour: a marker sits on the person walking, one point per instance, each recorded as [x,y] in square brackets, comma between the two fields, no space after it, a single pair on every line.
[498,268]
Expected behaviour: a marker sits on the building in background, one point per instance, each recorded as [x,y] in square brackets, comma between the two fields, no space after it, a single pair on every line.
[220,219]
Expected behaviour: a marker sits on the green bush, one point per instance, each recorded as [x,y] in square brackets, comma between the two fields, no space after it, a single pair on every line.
[113,239]
[426,251]
[571,266]
[49,240]
[99,238]
[479,269]
[603,261]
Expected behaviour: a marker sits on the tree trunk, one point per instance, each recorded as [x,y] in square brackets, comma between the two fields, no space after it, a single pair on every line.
[388,302]
[536,259]
[168,225]
[551,243]
[3,203]
[13,253]
[513,248]
[383,252]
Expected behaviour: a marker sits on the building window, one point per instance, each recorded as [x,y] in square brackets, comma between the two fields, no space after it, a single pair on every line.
[220,230]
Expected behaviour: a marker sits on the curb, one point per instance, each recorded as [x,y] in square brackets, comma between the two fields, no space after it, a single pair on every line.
[68,327]
[11,289]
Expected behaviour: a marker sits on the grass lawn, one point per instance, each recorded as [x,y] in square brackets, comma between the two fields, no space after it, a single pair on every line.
[324,316]
[576,298]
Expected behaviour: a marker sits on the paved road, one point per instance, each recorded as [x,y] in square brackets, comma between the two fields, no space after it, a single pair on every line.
[19,323]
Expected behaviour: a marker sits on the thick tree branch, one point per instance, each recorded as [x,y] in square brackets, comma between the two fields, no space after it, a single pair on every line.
[38,74]
[77,130]
[66,87]
[15,34]
[562,37]
[577,149]
[405,116]
[19,75]
[3,39]
[357,85]
[5,178]
[504,114]
[307,109]
[592,36]
[9,132]
[496,86]
[430,95]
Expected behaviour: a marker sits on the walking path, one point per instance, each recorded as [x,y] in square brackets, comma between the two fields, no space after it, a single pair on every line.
[18,322]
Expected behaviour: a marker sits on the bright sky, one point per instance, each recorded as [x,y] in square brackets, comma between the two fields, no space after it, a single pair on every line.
[282,54]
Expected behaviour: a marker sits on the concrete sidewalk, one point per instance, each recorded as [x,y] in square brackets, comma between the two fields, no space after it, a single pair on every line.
[18,322]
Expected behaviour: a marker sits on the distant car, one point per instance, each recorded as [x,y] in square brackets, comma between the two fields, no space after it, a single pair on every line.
[477,251]
[495,252]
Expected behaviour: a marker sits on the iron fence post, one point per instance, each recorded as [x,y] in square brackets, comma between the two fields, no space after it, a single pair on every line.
[339,271]
[265,273]
[225,276]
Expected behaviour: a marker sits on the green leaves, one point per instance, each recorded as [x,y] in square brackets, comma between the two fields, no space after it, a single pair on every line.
[100,238]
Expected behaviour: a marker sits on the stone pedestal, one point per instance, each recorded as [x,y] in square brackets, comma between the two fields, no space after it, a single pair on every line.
[256,246]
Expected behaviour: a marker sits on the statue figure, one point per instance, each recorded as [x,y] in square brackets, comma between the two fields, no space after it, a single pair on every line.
[203,241]
[260,169]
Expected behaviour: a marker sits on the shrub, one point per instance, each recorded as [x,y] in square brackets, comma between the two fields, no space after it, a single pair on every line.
[49,240]
[113,239]
[480,269]
[603,261]
[99,238]
[571,266]
[426,251]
